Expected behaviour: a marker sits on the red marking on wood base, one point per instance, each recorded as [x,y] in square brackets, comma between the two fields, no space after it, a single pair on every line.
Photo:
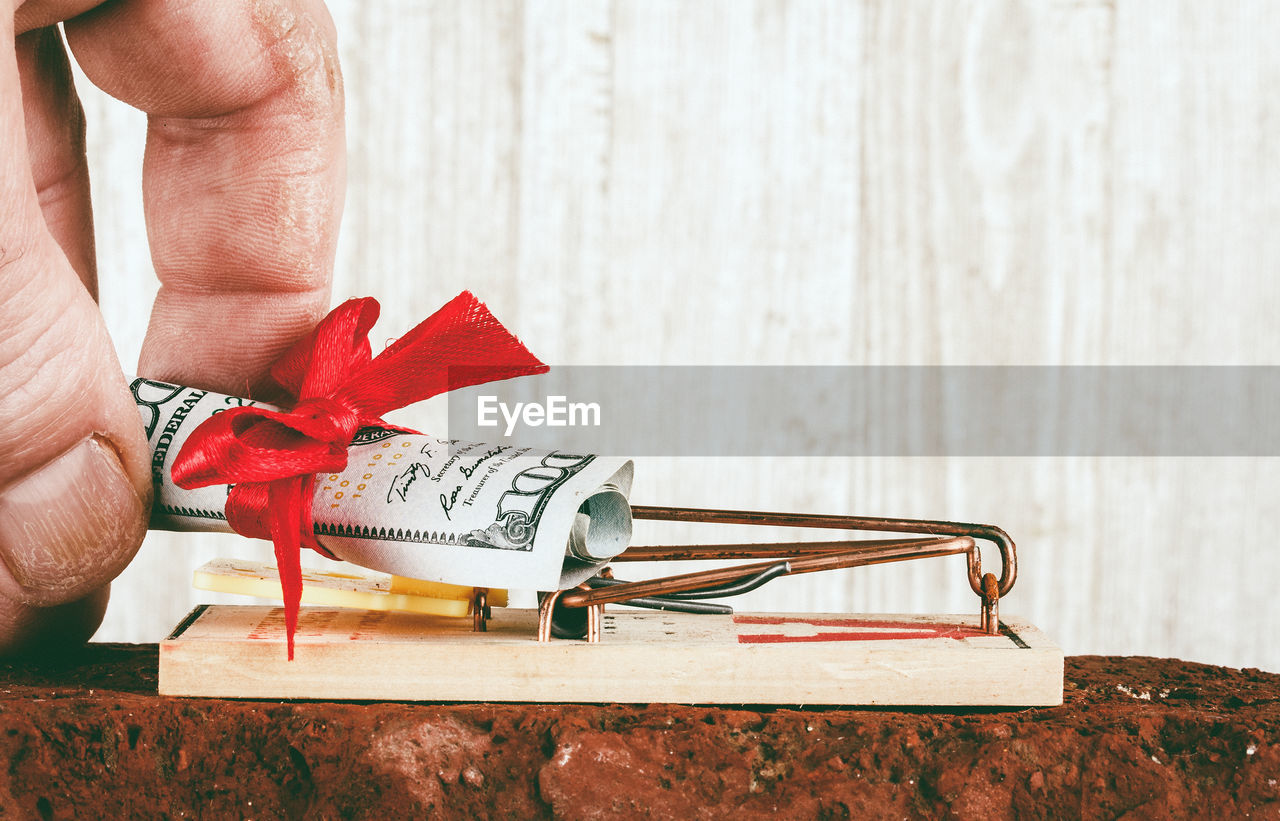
[851,630]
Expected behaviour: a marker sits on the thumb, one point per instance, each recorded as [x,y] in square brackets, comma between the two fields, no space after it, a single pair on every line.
[74,487]
[74,482]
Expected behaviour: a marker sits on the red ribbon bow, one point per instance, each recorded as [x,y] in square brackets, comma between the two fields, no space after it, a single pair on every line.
[272,457]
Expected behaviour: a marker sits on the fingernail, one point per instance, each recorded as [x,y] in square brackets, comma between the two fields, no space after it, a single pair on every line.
[70,526]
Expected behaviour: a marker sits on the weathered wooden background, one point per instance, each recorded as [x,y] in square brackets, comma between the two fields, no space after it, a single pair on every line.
[643,182]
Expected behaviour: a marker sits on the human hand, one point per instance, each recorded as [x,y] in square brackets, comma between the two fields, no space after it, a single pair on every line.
[242,185]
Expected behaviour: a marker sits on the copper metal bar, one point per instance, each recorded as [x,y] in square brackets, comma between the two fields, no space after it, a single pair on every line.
[750,550]
[990,604]
[595,615]
[913,549]
[545,609]
[1008,552]
[480,610]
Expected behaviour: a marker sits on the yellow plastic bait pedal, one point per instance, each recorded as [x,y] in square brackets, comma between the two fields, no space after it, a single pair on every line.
[329,588]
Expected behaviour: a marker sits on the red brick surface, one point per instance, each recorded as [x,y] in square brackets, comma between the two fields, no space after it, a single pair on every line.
[86,736]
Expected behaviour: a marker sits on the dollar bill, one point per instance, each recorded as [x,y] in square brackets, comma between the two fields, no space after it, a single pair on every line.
[420,506]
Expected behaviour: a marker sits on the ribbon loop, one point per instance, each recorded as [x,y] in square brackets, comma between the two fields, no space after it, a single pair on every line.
[271,457]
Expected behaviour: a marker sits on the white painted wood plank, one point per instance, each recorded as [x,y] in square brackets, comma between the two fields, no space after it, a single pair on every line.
[733,187]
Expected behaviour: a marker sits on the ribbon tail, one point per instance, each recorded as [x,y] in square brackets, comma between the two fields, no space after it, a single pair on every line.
[286,511]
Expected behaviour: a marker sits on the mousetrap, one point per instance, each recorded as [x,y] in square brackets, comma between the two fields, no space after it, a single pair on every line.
[669,639]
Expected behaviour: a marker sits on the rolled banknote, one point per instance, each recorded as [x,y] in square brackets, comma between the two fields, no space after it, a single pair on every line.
[420,506]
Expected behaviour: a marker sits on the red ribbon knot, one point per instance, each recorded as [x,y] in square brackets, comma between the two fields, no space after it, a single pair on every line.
[271,457]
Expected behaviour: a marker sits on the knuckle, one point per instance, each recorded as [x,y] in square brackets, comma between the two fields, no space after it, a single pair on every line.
[304,59]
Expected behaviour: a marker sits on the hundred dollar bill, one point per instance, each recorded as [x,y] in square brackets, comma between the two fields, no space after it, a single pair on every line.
[420,506]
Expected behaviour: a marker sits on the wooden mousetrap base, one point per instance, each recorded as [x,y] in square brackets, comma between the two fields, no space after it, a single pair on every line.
[644,656]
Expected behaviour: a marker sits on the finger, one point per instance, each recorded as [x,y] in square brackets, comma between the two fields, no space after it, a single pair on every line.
[55,143]
[38,14]
[74,475]
[243,177]
[24,628]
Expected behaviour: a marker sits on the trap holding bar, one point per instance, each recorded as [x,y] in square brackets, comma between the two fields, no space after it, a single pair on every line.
[938,538]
